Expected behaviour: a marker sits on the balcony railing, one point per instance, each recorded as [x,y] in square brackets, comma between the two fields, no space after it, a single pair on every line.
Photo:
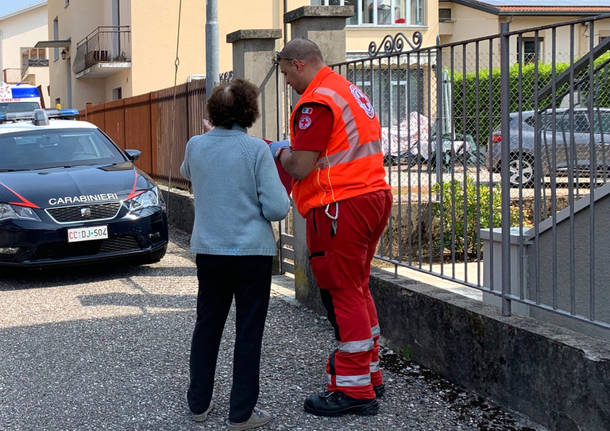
[11,75]
[105,44]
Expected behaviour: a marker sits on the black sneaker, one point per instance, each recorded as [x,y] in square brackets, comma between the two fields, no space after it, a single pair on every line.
[338,404]
[379,390]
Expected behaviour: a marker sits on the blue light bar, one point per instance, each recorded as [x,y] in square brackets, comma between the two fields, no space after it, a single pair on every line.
[24,92]
[68,112]
[29,115]
[61,113]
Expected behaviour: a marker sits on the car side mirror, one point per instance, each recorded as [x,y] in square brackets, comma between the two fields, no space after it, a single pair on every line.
[133,155]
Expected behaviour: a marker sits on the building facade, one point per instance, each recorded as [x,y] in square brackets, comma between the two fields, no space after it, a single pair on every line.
[19,60]
[102,50]
[468,19]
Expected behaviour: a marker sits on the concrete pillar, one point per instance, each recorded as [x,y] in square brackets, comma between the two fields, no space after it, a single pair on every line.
[253,54]
[324,25]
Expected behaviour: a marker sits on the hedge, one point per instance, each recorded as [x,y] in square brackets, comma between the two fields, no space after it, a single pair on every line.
[465,89]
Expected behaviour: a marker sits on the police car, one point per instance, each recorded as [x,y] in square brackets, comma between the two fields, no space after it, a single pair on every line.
[69,195]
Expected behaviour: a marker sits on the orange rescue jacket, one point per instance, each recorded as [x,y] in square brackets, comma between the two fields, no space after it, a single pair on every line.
[352,163]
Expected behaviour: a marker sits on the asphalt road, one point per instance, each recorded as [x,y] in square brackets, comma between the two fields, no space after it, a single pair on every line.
[107,347]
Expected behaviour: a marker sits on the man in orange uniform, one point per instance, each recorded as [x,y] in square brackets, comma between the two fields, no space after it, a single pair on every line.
[339,187]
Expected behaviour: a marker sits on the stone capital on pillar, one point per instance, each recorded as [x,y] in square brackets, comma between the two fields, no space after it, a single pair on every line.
[253,35]
[253,55]
[324,25]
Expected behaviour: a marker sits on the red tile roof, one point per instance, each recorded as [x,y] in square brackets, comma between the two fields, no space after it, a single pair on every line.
[553,8]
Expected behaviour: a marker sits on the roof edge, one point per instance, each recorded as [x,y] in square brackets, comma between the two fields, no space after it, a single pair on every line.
[27,9]
[552,13]
[477,5]
[485,7]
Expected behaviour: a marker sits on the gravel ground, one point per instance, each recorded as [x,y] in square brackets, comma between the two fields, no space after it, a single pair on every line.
[107,348]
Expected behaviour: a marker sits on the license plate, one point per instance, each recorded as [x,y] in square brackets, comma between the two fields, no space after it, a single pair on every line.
[87,233]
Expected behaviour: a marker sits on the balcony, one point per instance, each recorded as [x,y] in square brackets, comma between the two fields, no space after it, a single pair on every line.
[11,75]
[104,52]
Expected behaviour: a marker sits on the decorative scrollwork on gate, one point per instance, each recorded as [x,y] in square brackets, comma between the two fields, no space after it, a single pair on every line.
[226,76]
[395,44]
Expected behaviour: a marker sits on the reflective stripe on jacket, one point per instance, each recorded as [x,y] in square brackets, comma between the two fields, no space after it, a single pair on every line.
[352,163]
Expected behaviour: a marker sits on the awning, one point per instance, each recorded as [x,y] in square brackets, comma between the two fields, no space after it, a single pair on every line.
[52,43]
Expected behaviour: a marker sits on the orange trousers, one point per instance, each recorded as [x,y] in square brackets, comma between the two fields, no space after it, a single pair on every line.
[341,251]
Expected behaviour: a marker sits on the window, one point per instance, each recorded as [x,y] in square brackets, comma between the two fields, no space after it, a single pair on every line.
[117,93]
[45,148]
[402,92]
[604,125]
[528,47]
[66,3]
[561,122]
[444,14]
[18,106]
[417,12]
[382,12]
[55,37]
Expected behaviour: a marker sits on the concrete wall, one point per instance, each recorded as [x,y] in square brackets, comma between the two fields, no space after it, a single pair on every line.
[556,377]
[154,29]
[582,263]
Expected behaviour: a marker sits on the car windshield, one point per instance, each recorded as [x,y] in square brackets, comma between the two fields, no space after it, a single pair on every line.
[47,148]
[18,107]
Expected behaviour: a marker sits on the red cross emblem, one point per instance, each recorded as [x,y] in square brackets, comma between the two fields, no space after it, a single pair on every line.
[363,101]
[304,122]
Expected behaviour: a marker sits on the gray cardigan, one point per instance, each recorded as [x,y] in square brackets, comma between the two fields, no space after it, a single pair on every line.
[237,192]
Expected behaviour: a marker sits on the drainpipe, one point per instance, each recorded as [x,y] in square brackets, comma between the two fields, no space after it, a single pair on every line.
[285,23]
[211,47]
[118,15]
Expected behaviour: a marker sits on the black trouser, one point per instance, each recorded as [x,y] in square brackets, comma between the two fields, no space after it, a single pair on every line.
[221,277]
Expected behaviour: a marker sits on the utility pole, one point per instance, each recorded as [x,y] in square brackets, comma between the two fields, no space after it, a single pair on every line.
[211,47]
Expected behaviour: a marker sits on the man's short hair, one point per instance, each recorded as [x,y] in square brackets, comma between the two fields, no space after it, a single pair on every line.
[300,49]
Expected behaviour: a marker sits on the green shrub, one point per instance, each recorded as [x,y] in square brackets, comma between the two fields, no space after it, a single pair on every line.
[467,88]
[476,207]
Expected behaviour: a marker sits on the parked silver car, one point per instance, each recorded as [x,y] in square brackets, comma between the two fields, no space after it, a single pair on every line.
[563,144]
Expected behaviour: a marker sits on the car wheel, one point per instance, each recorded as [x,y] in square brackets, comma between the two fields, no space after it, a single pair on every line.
[521,170]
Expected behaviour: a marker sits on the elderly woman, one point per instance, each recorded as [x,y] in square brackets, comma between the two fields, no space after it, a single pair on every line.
[237,193]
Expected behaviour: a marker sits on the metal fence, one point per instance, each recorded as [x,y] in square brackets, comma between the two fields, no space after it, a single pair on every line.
[499,162]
